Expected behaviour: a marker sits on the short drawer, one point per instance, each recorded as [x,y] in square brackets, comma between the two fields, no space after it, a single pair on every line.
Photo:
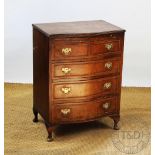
[80,89]
[82,69]
[69,49]
[100,47]
[71,112]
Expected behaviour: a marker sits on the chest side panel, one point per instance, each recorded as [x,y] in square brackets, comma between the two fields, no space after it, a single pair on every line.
[41,73]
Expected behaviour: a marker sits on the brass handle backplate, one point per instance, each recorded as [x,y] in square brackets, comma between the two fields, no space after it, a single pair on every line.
[65,111]
[107,85]
[66,51]
[106,105]
[108,65]
[109,46]
[66,90]
[66,70]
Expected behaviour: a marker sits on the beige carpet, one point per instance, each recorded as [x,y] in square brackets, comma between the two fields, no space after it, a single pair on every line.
[23,137]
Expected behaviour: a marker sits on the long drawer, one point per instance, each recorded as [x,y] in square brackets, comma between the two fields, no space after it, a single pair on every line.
[71,112]
[81,89]
[83,69]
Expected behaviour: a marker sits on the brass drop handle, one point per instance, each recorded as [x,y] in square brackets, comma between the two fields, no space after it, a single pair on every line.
[66,51]
[65,111]
[106,105]
[107,85]
[108,65]
[109,46]
[65,90]
[66,70]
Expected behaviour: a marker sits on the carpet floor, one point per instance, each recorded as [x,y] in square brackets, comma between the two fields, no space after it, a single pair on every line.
[23,137]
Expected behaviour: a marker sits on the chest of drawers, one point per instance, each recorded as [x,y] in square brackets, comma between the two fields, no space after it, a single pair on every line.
[77,72]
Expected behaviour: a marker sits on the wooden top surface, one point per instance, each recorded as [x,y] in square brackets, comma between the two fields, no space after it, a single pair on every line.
[79,27]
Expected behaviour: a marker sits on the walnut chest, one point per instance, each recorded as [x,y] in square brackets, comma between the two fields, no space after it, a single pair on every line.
[77,72]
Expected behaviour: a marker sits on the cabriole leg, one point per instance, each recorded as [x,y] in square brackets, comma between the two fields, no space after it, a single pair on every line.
[35,112]
[116,119]
[50,130]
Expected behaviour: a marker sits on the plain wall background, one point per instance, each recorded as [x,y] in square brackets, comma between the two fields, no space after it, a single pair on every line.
[132,15]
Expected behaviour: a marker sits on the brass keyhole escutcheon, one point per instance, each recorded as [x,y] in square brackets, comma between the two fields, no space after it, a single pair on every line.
[66,70]
[65,111]
[108,65]
[66,90]
[109,46]
[107,85]
[106,105]
[66,51]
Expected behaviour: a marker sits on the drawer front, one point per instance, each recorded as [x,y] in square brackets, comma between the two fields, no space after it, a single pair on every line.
[104,46]
[85,69]
[71,112]
[85,89]
[69,49]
